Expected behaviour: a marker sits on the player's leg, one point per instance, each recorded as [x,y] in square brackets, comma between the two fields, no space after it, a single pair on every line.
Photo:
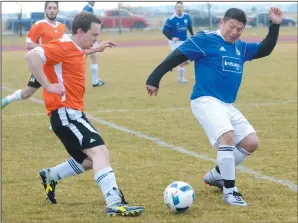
[246,139]
[181,68]
[76,165]
[87,142]
[96,81]
[22,94]
[213,115]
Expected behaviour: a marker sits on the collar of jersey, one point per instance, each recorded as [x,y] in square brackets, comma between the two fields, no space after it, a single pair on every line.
[68,37]
[179,16]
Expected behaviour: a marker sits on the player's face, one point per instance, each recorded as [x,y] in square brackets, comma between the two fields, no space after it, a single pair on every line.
[51,11]
[179,9]
[91,36]
[231,29]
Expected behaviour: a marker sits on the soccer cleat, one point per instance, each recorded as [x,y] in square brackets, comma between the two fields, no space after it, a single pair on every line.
[212,180]
[99,83]
[234,198]
[49,185]
[182,81]
[4,103]
[123,209]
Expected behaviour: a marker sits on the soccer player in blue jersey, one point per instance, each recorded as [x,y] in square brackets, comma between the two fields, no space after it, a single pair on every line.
[96,81]
[175,29]
[219,58]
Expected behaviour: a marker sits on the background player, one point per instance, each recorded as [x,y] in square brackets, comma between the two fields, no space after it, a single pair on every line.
[175,29]
[40,33]
[96,81]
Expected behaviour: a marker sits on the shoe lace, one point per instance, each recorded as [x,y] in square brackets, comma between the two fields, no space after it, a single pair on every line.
[237,196]
[119,192]
[53,184]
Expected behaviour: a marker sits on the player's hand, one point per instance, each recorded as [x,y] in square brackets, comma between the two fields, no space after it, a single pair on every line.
[275,15]
[152,90]
[56,89]
[175,39]
[103,45]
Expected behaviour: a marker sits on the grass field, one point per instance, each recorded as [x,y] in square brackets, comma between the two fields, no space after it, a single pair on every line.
[144,167]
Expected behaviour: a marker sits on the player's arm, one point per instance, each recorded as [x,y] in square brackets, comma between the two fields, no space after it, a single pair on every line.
[166,30]
[190,30]
[39,56]
[101,47]
[269,42]
[171,61]
[192,49]
[36,66]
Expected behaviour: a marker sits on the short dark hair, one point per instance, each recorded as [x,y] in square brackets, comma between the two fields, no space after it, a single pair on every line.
[83,20]
[237,14]
[47,3]
[179,2]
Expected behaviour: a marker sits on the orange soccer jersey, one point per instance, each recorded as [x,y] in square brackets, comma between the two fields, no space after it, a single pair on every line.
[43,32]
[65,63]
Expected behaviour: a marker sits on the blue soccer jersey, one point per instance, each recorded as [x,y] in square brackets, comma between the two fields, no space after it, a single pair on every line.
[177,26]
[88,8]
[218,64]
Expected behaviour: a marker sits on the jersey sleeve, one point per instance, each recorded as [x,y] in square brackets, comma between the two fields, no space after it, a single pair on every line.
[189,21]
[34,34]
[194,48]
[250,50]
[51,53]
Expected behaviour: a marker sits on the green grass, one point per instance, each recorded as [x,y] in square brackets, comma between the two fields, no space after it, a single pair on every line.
[144,169]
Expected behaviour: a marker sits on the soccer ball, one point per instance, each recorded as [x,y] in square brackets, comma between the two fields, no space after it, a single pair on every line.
[179,196]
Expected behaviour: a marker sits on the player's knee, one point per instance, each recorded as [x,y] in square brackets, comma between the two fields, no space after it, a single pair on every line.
[227,138]
[250,143]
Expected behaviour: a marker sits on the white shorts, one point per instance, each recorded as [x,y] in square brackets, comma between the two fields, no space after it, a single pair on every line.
[174,45]
[217,118]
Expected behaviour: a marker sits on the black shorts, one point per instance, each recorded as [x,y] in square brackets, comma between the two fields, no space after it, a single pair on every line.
[33,82]
[75,132]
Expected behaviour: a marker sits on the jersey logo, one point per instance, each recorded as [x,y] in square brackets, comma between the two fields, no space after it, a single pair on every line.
[231,64]
[238,52]
[222,49]
[185,21]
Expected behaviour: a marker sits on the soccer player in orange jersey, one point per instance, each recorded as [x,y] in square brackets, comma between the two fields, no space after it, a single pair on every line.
[63,79]
[41,32]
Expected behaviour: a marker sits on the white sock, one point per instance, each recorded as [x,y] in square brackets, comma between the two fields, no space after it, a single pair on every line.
[240,155]
[226,163]
[94,71]
[16,96]
[181,73]
[106,180]
[215,174]
[66,169]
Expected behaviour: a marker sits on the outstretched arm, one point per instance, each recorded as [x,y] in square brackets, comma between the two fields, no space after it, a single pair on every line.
[171,61]
[268,44]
